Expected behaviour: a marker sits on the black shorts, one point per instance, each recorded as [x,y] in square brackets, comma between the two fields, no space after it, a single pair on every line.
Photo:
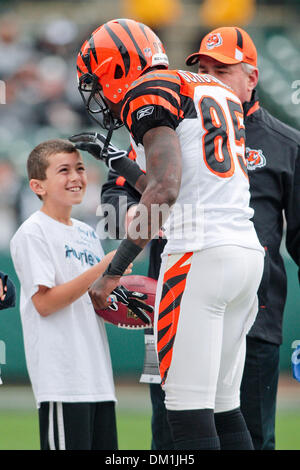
[78,426]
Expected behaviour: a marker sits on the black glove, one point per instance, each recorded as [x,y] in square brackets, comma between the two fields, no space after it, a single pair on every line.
[134,301]
[94,143]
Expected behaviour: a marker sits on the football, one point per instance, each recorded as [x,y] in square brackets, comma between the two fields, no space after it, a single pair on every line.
[124,317]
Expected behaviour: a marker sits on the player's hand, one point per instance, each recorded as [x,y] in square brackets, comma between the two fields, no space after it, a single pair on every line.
[134,301]
[101,289]
[93,143]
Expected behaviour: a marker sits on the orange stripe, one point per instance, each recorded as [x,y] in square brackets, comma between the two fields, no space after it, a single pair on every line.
[164,321]
[177,268]
[168,90]
[148,100]
[172,317]
[165,363]
[172,331]
[154,76]
[254,108]
[171,295]
[132,154]
[120,181]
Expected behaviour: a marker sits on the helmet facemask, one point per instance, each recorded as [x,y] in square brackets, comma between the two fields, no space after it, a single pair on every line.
[95,104]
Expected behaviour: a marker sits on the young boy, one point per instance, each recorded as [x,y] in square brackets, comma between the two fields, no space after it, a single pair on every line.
[56,259]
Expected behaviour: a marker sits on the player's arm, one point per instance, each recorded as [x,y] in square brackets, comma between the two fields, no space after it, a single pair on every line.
[163,162]
[117,192]
[163,159]
[115,159]
[49,300]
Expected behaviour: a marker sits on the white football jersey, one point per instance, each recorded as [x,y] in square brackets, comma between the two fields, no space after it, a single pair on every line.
[212,208]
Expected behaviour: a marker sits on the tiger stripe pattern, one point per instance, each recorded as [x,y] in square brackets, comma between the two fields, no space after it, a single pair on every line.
[174,282]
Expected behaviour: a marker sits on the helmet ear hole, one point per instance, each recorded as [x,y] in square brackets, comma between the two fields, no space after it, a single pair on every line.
[118,72]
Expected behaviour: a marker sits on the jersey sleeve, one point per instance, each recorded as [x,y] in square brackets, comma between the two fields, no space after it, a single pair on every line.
[33,264]
[153,101]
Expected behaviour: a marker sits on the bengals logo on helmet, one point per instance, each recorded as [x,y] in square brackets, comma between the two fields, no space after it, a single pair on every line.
[214,40]
[255,159]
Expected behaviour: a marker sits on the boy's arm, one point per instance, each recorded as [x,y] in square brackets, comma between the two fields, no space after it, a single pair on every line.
[49,300]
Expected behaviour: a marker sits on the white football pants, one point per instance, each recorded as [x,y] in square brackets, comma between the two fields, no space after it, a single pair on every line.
[206,303]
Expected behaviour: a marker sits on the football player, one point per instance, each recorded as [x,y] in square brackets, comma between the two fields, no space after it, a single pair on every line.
[188,133]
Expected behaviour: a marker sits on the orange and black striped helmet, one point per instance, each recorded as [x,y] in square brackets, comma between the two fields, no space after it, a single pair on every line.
[116,54]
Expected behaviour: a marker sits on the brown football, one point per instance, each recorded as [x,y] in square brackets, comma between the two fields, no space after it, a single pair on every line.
[124,317]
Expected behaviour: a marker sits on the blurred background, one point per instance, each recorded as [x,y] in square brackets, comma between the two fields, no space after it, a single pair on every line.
[39,100]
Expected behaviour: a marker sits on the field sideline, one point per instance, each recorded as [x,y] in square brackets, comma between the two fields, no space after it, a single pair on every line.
[19,427]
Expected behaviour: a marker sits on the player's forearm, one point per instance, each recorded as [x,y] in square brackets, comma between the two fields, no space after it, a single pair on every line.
[150,214]
[132,172]
[50,300]
[163,157]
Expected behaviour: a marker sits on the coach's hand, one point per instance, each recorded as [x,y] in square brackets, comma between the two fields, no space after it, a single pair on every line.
[93,143]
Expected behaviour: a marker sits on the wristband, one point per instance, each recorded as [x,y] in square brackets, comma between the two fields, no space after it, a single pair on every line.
[125,254]
[127,168]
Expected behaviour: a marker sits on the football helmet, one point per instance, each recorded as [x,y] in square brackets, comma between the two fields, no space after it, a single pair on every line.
[116,54]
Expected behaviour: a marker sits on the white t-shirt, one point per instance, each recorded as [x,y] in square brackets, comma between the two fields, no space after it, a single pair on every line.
[67,352]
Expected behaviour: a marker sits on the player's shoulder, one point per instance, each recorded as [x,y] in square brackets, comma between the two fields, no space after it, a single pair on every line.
[153,98]
[157,75]
[144,90]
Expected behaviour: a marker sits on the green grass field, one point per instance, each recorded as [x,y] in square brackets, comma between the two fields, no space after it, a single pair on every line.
[19,430]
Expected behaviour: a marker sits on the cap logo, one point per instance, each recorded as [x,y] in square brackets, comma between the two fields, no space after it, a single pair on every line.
[214,40]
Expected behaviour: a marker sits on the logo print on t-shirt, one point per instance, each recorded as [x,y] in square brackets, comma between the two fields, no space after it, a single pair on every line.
[85,256]
[255,159]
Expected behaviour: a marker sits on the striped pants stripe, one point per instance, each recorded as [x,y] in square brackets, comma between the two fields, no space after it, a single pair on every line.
[78,426]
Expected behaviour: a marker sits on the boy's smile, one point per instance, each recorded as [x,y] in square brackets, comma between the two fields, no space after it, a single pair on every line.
[64,186]
[66,180]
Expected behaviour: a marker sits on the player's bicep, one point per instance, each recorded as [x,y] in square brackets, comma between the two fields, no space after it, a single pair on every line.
[163,158]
